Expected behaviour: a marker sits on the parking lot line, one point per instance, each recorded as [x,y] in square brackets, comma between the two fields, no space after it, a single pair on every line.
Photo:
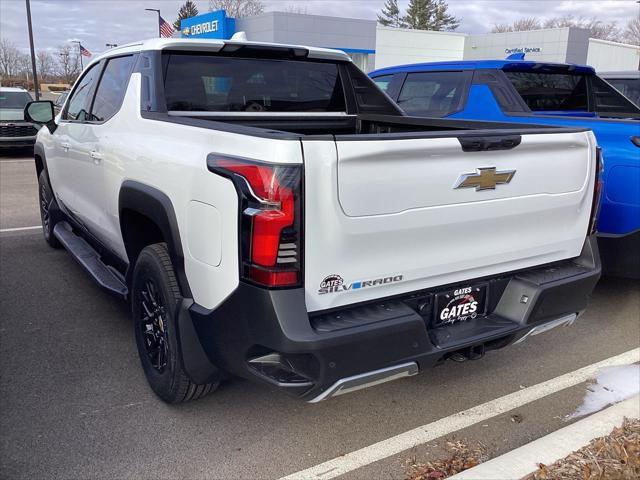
[22,160]
[19,229]
[466,418]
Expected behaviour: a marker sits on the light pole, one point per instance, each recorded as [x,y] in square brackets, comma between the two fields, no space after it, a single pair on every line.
[33,53]
[79,52]
[158,12]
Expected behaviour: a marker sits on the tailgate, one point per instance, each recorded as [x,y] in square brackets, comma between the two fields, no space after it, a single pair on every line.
[385,215]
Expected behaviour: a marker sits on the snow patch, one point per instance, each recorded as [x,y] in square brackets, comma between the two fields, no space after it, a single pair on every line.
[612,385]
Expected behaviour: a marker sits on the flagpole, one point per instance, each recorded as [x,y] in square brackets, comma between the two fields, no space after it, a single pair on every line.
[158,12]
[33,54]
[79,53]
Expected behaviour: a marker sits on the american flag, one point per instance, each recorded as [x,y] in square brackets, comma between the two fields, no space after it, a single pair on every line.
[166,30]
[84,52]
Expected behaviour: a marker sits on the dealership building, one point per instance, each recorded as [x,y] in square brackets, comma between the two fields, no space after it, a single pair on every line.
[373,46]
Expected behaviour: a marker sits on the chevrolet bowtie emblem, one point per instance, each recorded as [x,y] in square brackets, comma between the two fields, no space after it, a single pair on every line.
[485,178]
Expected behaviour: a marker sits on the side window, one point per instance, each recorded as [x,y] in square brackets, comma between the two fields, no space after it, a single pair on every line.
[434,94]
[551,91]
[111,88]
[78,101]
[383,81]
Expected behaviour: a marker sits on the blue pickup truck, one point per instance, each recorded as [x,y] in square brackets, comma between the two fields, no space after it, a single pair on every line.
[519,91]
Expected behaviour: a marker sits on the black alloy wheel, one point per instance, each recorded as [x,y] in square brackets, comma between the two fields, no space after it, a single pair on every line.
[47,202]
[153,326]
[155,298]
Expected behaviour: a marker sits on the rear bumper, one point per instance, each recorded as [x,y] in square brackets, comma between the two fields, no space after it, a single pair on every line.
[620,254]
[267,335]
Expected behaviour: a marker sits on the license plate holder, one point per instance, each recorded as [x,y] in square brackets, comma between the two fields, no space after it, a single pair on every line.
[460,305]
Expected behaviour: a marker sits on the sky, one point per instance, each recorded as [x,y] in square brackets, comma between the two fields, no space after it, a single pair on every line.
[96,22]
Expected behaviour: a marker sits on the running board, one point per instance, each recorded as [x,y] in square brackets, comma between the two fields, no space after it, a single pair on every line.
[89,259]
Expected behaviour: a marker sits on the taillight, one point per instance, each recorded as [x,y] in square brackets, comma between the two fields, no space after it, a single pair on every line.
[597,192]
[270,199]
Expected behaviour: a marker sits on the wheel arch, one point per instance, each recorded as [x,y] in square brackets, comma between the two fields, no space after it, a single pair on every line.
[147,216]
[40,160]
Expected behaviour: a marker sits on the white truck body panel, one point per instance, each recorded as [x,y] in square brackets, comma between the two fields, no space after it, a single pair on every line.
[172,159]
[373,208]
[384,209]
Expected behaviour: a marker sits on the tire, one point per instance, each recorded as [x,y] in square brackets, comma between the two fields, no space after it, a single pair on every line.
[155,296]
[47,202]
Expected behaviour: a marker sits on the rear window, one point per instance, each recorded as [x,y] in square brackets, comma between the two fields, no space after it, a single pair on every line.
[222,84]
[434,94]
[16,100]
[551,91]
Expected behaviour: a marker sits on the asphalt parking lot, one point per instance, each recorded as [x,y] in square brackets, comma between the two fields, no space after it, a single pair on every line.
[75,404]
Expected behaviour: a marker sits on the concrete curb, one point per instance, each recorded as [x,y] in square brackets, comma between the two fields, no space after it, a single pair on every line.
[524,460]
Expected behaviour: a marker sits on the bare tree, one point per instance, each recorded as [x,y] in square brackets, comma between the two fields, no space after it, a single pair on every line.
[9,58]
[631,32]
[522,25]
[597,28]
[238,8]
[68,64]
[45,65]
[293,8]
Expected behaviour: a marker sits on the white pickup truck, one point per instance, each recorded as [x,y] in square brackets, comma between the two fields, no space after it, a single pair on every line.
[270,213]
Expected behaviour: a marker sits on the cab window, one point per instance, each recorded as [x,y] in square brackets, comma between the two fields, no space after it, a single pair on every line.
[220,84]
[111,89]
[434,94]
[383,81]
[77,109]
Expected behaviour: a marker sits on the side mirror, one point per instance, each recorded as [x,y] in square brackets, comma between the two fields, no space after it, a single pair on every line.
[40,113]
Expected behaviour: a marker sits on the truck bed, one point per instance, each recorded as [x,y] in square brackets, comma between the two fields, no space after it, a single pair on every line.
[313,125]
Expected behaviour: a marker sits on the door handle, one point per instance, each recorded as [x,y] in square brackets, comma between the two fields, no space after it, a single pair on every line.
[65,146]
[97,156]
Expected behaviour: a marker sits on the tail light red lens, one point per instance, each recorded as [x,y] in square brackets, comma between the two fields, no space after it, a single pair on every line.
[270,212]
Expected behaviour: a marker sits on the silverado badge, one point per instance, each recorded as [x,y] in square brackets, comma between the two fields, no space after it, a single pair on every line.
[485,178]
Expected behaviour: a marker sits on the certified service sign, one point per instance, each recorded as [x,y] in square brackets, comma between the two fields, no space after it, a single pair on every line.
[209,25]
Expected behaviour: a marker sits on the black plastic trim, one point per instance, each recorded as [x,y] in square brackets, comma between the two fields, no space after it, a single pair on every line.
[258,320]
[482,143]
[155,205]
[620,254]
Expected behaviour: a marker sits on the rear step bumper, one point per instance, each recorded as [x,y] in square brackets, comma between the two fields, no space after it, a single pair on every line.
[267,335]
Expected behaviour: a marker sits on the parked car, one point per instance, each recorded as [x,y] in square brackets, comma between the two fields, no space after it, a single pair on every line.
[627,83]
[14,131]
[526,92]
[268,212]
[59,103]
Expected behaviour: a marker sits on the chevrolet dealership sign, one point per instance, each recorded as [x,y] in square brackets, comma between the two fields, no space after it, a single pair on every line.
[209,25]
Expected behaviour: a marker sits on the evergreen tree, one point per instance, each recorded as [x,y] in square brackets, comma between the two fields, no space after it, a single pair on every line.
[187,10]
[390,15]
[430,15]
